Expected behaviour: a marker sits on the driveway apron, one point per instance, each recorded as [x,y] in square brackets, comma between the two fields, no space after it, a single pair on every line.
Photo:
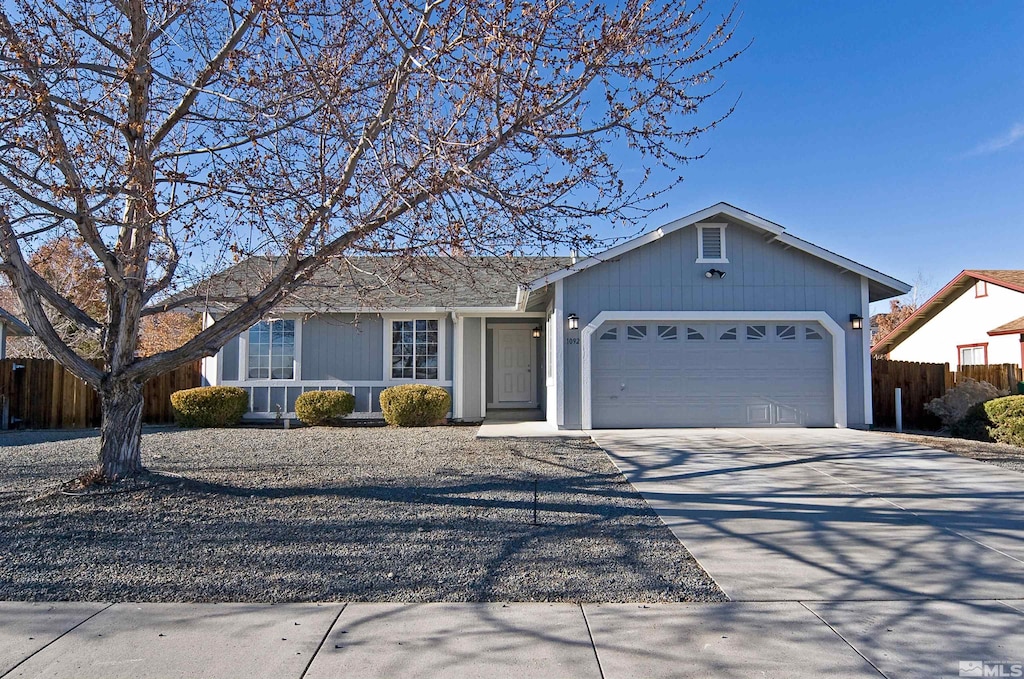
[830,515]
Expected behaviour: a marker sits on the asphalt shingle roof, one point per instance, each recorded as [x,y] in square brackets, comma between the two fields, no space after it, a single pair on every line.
[385,282]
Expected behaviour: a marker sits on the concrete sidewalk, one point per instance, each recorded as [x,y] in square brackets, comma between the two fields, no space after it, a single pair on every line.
[610,641]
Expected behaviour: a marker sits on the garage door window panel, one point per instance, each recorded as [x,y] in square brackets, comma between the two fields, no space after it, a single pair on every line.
[610,334]
[695,334]
[636,333]
[668,333]
[728,334]
[811,333]
[785,333]
[757,333]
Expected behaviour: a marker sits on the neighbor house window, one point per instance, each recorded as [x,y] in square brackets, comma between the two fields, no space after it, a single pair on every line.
[272,350]
[981,289]
[414,353]
[711,244]
[974,354]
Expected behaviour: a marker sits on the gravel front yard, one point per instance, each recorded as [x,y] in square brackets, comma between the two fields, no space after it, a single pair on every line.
[999,454]
[352,514]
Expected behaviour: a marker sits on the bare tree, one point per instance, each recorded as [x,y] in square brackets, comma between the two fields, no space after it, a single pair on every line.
[154,130]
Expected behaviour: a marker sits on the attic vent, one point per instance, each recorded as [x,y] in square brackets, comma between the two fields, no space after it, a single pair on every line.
[711,243]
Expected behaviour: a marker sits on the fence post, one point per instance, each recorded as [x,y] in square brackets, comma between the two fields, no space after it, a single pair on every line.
[899,409]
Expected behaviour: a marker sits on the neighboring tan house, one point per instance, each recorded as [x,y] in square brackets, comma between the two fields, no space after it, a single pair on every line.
[720,318]
[976,319]
[10,326]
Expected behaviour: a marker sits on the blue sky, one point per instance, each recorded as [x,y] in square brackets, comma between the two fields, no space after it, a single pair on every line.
[890,132]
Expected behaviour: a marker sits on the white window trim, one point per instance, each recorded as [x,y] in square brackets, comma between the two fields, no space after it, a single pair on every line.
[833,328]
[724,259]
[442,349]
[243,352]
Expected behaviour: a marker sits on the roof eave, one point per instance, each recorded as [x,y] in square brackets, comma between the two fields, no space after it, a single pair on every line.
[886,286]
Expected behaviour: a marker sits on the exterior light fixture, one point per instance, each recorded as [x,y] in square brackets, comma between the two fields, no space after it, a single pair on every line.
[536,332]
[857,322]
[711,273]
[574,322]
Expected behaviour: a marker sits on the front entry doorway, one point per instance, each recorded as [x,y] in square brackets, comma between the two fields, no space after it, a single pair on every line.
[515,384]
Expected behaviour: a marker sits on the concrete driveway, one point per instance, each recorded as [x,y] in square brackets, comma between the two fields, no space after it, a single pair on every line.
[831,515]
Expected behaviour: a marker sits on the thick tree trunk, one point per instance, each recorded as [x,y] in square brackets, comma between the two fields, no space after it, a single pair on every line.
[120,430]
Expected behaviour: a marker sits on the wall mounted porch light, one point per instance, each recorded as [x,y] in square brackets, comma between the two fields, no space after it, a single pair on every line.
[536,332]
[856,322]
[711,273]
[574,322]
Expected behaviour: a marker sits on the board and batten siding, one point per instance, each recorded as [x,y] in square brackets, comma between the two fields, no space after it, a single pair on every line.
[342,347]
[760,276]
[472,379]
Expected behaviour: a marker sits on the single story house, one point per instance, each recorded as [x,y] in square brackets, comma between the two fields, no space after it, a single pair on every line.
[720,318]
[975,319]
[10,326]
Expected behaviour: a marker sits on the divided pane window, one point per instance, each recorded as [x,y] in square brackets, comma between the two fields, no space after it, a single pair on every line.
[611,334]
[271,354]
[636,332]
[668,333]
[785,332]
[693,334]
[756,332]
[812,333]
[414,349]
[972,356]
[728,334]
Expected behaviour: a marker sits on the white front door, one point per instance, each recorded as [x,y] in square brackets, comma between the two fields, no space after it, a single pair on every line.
[513,373]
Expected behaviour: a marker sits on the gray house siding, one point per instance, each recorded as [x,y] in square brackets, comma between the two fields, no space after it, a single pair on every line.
[472,365]
[343,347]
[761,276]
[229,360]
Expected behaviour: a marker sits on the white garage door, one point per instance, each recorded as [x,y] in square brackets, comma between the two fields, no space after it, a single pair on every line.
[678,374]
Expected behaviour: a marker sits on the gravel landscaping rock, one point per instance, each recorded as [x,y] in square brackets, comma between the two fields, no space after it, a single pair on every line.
[999,454]
[332,514]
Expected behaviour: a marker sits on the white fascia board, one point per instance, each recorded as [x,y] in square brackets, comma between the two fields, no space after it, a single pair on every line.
[834,329]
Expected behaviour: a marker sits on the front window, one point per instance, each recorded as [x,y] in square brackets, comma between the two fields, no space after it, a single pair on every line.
[414,352]
[972,355]
[272,350]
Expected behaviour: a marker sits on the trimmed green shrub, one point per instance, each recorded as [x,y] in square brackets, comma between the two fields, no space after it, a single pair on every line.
[1007,416]
[210,406]
[1000,420]
[323,407]
[415,405]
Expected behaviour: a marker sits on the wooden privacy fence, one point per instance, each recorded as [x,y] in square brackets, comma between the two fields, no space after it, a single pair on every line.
[922,382]
[40,394]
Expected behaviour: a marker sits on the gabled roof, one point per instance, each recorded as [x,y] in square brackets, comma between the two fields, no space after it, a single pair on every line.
[381,283]
[881,286]
[14,326]
[1011,328]
[1012,279]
